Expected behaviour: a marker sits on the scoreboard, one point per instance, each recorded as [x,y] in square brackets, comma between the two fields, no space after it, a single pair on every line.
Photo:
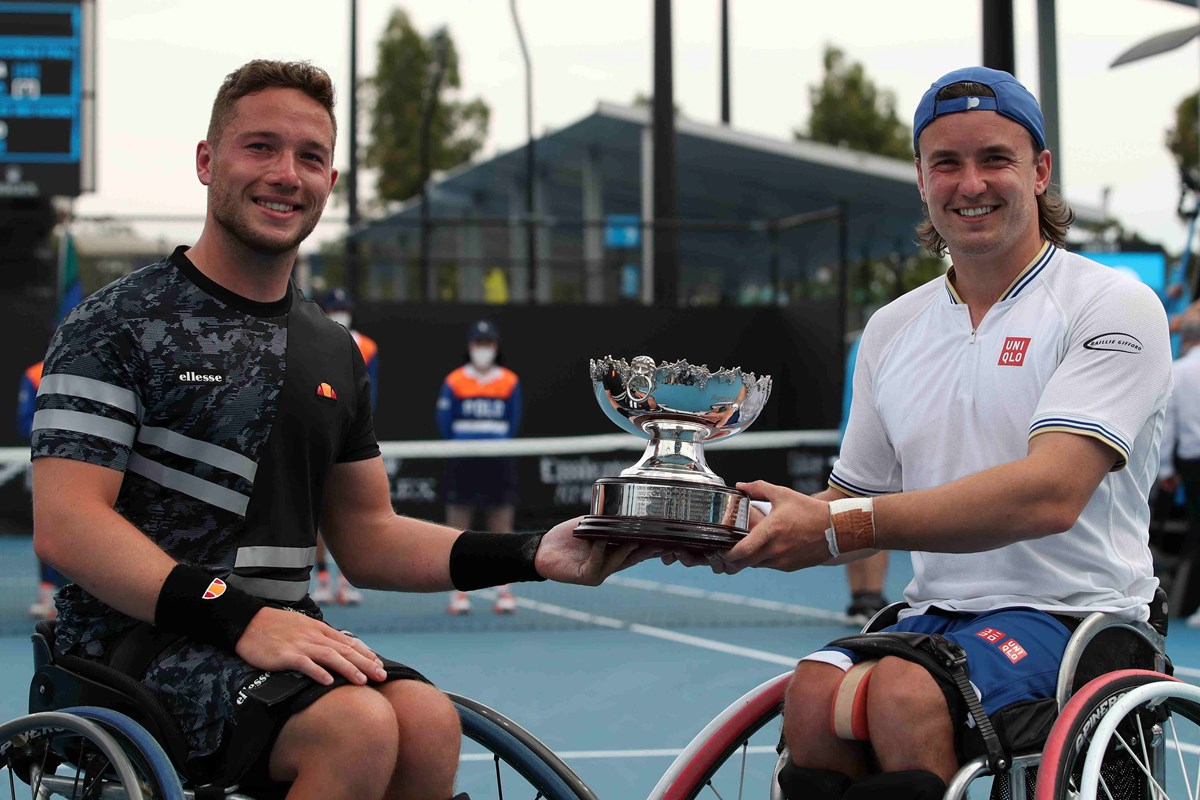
[47,97]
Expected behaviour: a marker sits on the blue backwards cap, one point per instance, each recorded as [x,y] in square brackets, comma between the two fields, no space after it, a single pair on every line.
[1012,100]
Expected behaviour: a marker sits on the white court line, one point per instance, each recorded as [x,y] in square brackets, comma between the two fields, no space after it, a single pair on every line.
[579,755]
[728,598]
[697,641]
[658,633]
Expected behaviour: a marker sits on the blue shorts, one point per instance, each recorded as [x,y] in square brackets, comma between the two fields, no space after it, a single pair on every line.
[1013,654]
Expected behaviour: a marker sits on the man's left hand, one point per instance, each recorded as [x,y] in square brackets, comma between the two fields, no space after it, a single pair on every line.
[566,558]
[791,537]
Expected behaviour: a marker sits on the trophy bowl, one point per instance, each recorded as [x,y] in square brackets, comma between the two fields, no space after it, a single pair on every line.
[671,497]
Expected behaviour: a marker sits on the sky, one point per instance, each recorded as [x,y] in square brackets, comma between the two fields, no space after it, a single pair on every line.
[160,63]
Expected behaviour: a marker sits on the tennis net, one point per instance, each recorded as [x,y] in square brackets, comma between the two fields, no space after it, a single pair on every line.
[555,480]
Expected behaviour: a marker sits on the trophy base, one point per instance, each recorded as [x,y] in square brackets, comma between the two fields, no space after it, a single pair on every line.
[665,533]
[669,513]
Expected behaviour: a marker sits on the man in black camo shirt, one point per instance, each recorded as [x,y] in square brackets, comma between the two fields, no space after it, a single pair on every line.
[197,420]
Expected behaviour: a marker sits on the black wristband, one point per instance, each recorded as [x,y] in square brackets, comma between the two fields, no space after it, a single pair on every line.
[203,607]
[479,560]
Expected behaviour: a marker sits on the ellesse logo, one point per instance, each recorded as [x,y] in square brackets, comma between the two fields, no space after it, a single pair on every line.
[200,377]
[326,391]
[215,589]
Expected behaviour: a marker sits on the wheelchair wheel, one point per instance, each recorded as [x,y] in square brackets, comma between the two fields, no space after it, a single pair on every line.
[83,753]
[727,758]
[1127,734]
[514,763]
[143,749]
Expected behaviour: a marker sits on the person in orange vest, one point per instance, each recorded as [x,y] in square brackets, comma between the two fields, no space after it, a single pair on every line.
[49,579]
[481,400]
[338,305]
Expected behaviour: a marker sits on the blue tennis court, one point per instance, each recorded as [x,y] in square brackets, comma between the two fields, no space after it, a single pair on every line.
[616,680]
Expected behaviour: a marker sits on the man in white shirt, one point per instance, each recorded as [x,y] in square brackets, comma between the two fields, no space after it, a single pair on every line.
[1005,429]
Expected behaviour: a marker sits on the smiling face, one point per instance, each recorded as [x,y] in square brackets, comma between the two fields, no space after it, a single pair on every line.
[271,172]
[980,178]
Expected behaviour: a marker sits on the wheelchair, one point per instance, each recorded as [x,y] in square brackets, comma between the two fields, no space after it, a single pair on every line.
[94,732]
[1121,724]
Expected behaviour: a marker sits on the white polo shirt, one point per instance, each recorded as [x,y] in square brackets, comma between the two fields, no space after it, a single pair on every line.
[1071,346]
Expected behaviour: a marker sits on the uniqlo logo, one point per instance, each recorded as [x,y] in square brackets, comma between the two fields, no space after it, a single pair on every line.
[991,634]
[1013,650]
[1015,349]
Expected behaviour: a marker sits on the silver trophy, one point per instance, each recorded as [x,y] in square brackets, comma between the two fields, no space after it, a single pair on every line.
[671,497]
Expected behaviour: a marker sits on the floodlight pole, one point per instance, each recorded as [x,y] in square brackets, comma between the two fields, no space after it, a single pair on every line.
[353,265]
[433,86]
[998,51]
[1155,45]
[666,255]
[1047,32]
[725,111]
[530,162]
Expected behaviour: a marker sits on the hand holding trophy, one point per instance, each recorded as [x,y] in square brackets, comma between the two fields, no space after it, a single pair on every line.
[671,497]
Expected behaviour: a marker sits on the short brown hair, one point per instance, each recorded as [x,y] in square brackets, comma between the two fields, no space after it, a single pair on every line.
[259,74]
[1055,217]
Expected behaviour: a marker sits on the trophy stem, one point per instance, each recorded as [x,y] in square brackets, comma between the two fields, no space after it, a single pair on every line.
[675,452]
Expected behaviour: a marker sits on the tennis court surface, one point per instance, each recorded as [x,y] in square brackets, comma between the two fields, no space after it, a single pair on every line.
[615,679]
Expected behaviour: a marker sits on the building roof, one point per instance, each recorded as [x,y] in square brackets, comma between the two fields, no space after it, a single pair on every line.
[722,174]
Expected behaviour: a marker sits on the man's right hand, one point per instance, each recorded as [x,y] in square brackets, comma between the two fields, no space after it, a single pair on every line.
[277,640]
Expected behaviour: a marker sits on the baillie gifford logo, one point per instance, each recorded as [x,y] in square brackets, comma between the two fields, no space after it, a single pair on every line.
[200,378]
[1116,342]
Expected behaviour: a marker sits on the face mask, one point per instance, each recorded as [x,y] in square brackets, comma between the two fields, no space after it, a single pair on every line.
[341,318]
[483,357]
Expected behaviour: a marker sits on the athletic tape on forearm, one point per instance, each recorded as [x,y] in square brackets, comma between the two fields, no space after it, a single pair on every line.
[479,560]
[852,521]
[204,608]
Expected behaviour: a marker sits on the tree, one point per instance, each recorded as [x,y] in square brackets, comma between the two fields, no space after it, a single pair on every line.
[848,110]
[646,101]
[458,128]
[1183,143]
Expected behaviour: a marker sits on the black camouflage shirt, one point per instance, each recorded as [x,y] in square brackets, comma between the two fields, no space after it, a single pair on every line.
[225,416]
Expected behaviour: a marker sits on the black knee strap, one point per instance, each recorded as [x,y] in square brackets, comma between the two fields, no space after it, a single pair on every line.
[802,783]
[947,663]
[915,784]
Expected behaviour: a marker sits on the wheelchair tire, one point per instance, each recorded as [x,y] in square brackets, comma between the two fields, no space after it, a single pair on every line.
[33,747]
[1110,737]
[729,732]
[143,748]
[519,749]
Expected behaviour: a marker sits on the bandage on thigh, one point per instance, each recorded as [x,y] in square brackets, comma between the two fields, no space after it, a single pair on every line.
[849,715]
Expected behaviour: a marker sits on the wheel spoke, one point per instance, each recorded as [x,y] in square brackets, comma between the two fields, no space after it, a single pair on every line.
[1183,770]
[1104,786]
[742,777]
[1145,770]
